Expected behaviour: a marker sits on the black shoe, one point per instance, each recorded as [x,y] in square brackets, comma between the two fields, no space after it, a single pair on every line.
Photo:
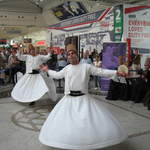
[32,103]
[137,101]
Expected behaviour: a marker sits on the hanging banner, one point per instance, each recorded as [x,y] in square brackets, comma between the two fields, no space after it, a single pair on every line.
[113,54]
[81,22]
[118,22]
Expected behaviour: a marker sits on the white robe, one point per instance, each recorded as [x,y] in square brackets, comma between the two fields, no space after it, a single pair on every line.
[31,87]
[80,122]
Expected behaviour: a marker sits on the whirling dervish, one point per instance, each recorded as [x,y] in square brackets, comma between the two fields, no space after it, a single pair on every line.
[32,86]
[79,121]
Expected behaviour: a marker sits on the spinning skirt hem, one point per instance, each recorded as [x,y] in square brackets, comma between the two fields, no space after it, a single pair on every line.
[85,147]
[29,88]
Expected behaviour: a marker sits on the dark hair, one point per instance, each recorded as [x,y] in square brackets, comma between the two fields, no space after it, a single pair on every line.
[45,64]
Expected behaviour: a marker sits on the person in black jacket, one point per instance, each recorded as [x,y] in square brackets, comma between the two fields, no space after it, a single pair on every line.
[52,62]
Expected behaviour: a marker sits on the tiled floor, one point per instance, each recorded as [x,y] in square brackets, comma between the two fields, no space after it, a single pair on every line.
[20,124]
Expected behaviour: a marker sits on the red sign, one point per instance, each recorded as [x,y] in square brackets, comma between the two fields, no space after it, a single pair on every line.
[41,43]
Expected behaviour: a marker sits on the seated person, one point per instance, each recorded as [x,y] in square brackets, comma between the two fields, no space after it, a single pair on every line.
[142,84]
[118,86]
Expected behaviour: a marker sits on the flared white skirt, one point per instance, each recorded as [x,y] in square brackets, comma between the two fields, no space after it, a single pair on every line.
[81,123]
[31,87]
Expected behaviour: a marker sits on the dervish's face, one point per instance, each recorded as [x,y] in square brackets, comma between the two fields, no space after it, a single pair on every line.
[13,53]
[72,57]
[33,52]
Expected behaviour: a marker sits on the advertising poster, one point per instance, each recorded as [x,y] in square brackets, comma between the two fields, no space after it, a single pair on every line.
[58,40]
[111,54]
[137,27]
[118,22]
[90,41]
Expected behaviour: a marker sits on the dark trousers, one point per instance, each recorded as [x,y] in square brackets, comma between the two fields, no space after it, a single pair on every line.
[117,91]
[12,72]
[138,90]
[97,84]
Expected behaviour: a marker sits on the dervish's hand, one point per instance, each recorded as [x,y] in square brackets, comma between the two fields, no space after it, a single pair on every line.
[122,74]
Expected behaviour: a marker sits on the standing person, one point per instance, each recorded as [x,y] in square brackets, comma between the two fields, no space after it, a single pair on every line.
[97,63]
[13,66]
[62,62]
[2,68]
[61,59]
[31,87]
[136,61]
[86,58]
[79,112]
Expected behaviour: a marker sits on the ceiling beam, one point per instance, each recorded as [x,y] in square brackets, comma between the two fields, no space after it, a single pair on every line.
[31,2]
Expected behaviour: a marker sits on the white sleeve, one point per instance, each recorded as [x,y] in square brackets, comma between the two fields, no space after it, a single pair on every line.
[21,56]
[102,72]
[57,75]
[44,58]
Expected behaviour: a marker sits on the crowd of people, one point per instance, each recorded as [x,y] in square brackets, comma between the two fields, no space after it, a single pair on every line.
[135,87]
[11,68]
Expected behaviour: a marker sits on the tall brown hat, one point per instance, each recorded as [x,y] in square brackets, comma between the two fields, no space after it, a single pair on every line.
[71,47]
[30,47]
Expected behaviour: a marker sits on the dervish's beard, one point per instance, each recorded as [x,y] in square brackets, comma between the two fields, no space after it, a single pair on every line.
[73,61]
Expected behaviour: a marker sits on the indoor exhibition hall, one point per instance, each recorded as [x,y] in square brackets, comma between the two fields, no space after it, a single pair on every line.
[74,74]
